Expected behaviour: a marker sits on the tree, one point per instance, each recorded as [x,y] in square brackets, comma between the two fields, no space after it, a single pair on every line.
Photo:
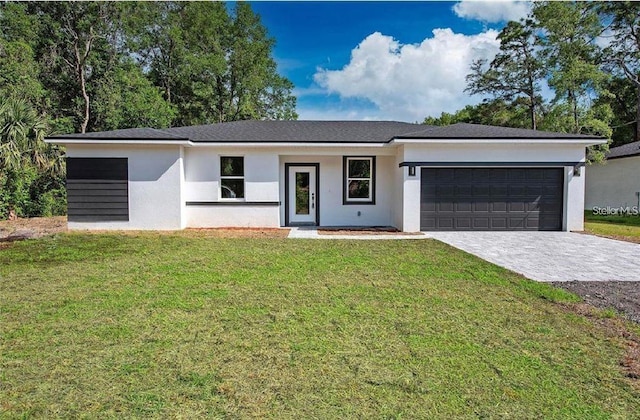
[21,135]
[182,46]
[446,118]
[24,158]
[514,73]
[154,37]
[619,94]
[19,69]
[19,77]
[124,97]
[212,66]
[76,43]
[490,112]
[207,33]
[567,34]
[91,66]
[622,55]
[254,89]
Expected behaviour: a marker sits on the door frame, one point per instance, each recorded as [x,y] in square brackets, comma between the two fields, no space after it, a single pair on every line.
[287,192]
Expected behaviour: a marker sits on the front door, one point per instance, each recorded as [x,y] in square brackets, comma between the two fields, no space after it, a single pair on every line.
[302,195]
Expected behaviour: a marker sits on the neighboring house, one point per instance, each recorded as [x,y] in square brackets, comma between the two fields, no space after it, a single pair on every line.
[616,182]
[326,173]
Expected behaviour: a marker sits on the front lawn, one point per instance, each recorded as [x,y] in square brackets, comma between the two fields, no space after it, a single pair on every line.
[618,227]
[185,325]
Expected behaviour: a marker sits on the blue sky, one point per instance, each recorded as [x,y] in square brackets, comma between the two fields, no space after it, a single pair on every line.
[383,60]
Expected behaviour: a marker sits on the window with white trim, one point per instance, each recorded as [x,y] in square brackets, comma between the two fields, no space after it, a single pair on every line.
[232,177]
[359,180]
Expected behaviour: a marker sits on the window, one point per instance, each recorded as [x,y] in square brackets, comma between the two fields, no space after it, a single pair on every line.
[231,177]
[359,180]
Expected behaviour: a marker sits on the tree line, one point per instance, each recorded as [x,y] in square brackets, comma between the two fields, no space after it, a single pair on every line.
[96,66]
[587,53]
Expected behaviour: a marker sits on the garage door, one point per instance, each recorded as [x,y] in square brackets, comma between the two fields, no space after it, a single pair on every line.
[491,199]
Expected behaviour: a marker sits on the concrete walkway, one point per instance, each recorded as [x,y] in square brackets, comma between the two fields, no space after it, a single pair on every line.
[551,256]
[312,233]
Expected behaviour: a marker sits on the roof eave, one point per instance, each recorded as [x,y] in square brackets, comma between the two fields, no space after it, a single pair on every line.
[288,144]
[103,140]
[622,156]
[501,140]
[202,143]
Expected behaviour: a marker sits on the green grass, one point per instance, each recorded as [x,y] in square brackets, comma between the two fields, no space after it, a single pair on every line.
[187,326]
[626,227]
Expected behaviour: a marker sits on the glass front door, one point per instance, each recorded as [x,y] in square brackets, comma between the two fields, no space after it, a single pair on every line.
[302,195]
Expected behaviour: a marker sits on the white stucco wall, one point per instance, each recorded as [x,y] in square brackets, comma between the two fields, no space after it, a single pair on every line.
[397,194]
[202,184]
[163,180]
[264,182]
[573,200]
[155,194]
[496,152]
[202,173]
[613,183]
[248,216]
[332,210]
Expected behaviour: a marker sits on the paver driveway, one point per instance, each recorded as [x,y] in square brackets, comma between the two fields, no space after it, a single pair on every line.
[551,256]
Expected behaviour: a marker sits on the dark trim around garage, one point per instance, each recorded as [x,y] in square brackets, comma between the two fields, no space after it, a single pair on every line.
[492,164]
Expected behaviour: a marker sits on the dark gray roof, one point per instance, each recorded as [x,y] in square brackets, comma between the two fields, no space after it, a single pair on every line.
[479,131]
[320,132]
[124,134]
[297,131]
[629,149]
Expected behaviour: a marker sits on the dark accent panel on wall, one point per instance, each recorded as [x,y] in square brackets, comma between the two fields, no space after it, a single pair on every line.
[98,168]
[97,189]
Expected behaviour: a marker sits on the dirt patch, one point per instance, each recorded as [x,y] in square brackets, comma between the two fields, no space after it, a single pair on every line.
[255,233]
[617,328]
[240,232]
[34,227]
[364,231]
[37,227]
[623,296]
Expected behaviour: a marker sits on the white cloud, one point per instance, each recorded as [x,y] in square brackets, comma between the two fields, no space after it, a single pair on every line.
[339,114]
[492,11]
[411,81]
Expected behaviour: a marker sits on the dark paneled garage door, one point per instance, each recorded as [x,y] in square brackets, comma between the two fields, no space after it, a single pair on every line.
[97,189]
[491,199]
